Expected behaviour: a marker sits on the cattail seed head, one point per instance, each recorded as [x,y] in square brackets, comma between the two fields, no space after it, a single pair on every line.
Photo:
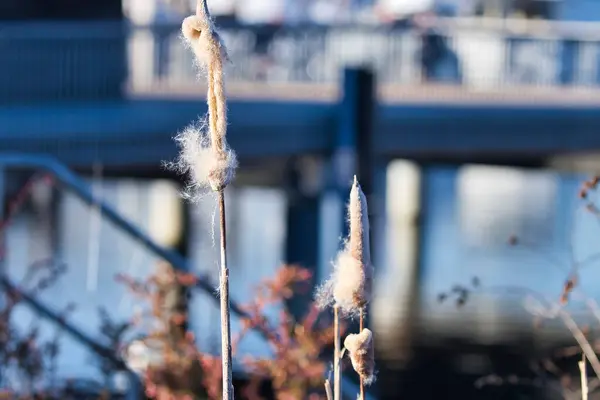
[208,169]
[205,154]
[350,285]
[201,36]
[361,349]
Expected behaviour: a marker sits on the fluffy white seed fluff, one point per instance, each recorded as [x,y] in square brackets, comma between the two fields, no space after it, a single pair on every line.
[350,284]
[200,35]
[361,349]
[207,169]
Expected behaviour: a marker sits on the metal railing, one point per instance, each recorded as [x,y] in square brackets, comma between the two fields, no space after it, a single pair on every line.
[474,53]
[63,61]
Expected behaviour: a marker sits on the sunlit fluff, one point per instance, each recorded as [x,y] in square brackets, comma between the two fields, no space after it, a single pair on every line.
[350,284]
[361,349]
[207,169]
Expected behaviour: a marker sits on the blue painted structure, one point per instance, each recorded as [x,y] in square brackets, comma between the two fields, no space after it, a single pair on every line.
[59,101]
[139,132]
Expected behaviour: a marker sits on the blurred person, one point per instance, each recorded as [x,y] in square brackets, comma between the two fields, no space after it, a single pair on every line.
[439,63]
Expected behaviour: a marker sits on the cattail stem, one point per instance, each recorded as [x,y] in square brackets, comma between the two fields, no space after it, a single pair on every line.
[225,316]
[328,392]
[216,104]
[216,144]
[202,9]
[337,359]
[584,380]
[361,322]
[211,165]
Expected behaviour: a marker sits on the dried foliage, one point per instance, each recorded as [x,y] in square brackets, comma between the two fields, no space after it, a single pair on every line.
[27,362]
[182,371]
[297,369]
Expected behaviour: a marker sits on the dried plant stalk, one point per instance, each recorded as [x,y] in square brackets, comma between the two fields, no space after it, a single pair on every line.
[328,390]
[225,310]
[584,380]
[207,157]
[337,357]
[361,327]
[349,288]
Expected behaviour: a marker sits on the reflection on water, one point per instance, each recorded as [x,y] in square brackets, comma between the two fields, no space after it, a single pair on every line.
[467,216]
[470,214]
[148,204]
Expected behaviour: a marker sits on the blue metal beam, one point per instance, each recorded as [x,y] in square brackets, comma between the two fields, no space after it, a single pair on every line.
[139,132]
[442,130]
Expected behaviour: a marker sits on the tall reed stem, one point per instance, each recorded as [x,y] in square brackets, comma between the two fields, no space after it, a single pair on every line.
[337,360]
[584,380]
[328,390]
[361,322]
[225,316]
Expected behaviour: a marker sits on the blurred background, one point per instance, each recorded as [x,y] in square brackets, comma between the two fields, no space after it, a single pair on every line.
[468,122]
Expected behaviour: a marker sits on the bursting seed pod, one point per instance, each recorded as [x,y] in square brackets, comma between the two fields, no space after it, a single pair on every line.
[361,350]
[351,282]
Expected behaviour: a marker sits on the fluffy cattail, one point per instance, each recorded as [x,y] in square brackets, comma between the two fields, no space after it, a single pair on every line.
[362,354]
[351,282]
[205,154]
[201,36]
[208,169]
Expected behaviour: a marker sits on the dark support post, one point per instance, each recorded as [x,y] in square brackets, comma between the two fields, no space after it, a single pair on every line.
[353,153]
[302,240]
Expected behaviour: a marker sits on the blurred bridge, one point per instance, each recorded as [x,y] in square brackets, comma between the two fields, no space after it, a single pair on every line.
[449,89]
